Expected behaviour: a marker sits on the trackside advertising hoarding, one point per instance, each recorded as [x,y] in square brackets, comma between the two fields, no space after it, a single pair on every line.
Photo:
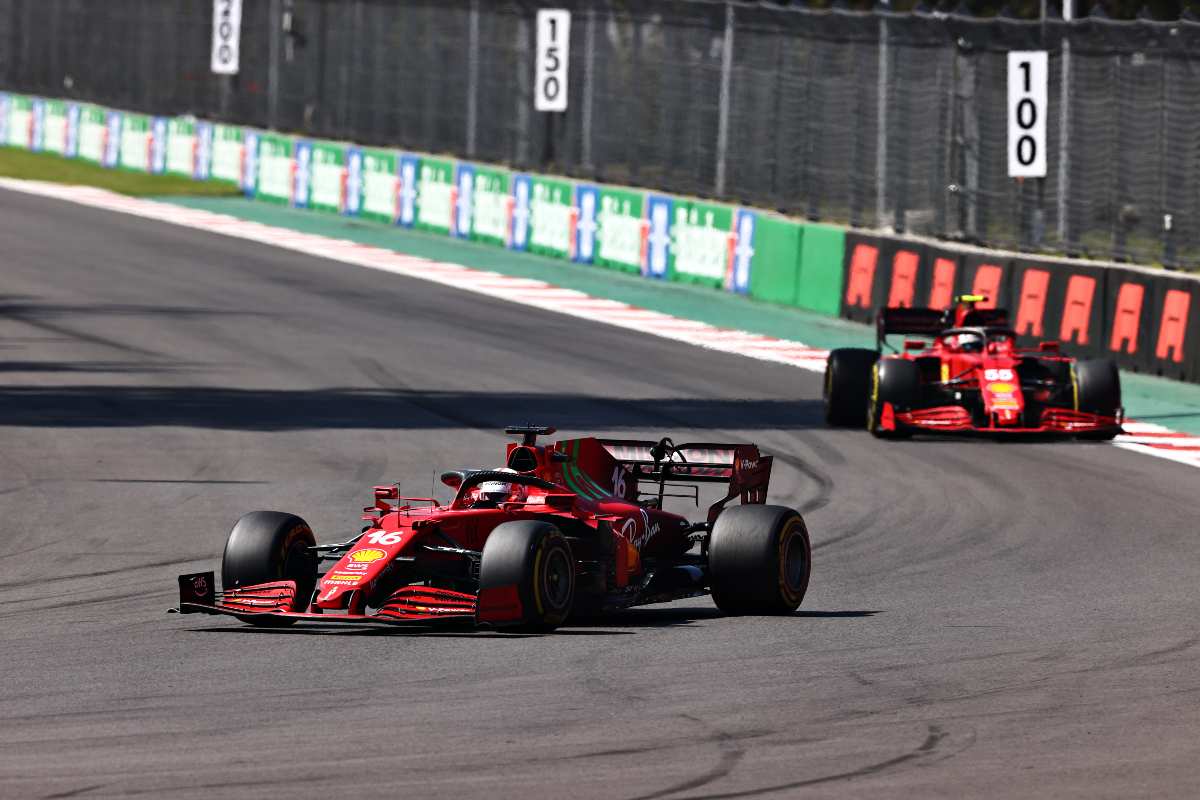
[54,127]
[522,198]
[113,125]
[274,174]
[135,143]
[380,199]
[19,127]
[202,167]
[37,124]
[587,212]
[621,229]
[552,217]
[227,153]
[302,155]
[93,133]
[493,205]
[5,100]
[435,194]
[464,200]
[181,147]
[328,177]
[158,144]
[1146,320]
[410,177]
[701,237]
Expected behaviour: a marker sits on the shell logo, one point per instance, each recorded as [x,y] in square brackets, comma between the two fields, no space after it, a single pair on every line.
[367,556]
[1001,388]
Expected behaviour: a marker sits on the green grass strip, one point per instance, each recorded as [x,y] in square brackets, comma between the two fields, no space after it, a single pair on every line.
[22,164]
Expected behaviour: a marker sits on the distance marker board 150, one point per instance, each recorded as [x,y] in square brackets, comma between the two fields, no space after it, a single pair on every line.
[553,56]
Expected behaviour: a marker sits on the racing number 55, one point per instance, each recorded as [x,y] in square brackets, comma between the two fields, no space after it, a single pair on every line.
[553,56]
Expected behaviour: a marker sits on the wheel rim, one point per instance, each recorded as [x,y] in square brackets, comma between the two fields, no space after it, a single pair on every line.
[795,563]
[556,579]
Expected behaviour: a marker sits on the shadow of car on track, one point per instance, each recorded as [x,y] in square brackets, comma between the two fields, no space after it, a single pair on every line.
[600,625]
[382,409]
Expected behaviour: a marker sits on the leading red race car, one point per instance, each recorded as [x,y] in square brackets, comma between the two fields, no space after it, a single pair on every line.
[972,377]
[577,526]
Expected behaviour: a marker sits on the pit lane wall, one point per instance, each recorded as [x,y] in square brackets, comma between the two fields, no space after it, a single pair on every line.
[1146,319]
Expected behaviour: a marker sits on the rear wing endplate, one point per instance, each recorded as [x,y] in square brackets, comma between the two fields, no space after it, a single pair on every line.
[746,471]
[920,321]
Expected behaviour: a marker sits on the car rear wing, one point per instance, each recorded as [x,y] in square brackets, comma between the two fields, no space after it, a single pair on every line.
[920,321]
[746,471]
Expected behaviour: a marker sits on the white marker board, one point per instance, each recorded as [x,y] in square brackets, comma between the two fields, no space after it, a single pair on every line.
[553,55]
[1027,110]
[227,36]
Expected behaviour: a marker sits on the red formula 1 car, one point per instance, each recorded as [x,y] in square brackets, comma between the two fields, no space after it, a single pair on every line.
[971,377]
[577,526]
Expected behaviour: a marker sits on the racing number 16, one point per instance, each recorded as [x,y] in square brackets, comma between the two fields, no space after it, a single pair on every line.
[553,53]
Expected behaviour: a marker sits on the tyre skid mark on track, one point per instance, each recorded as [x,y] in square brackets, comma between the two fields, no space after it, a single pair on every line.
[730,754]
[89,601]
[1161,442]
[101,573]
[923,752]
[73,792]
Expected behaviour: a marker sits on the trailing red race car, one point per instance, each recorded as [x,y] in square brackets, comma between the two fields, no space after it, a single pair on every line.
[577,526]
[971,377]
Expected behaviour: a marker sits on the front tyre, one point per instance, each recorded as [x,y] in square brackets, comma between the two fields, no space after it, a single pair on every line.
[897,382]
[267,546]
[759,560]
[848,385]
[533,560]
[1098,391]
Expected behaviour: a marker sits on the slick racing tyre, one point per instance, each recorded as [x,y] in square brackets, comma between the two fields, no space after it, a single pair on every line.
[266,546]
[848,385]
[759,560]
[535,558]
[1098,391]
[895,381]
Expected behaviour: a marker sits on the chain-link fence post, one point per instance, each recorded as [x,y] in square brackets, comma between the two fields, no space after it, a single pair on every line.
[274,53]
[723,100]
[472,75]
[1064,130]
[859,147]
[1167,185]
[881,122]
[589,88]
[524,99]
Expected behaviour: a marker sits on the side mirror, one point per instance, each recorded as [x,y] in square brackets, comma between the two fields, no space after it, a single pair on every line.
[914,344]
[453,479]
[1049,347]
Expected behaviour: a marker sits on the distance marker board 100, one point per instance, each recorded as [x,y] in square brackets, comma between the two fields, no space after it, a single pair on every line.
[1027,109]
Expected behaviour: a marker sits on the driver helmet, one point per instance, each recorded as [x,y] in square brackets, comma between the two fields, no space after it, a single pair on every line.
[968,342]
[498,491]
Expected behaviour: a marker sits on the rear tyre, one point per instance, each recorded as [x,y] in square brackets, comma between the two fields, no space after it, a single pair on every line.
[759,560]
[1098,389]
[536,559]
[266,546]
[848,385]
[895,381]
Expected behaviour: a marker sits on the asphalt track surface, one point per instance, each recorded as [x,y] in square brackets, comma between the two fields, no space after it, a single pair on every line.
[984,620]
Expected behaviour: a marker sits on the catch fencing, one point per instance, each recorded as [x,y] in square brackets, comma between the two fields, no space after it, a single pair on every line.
[880,120]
